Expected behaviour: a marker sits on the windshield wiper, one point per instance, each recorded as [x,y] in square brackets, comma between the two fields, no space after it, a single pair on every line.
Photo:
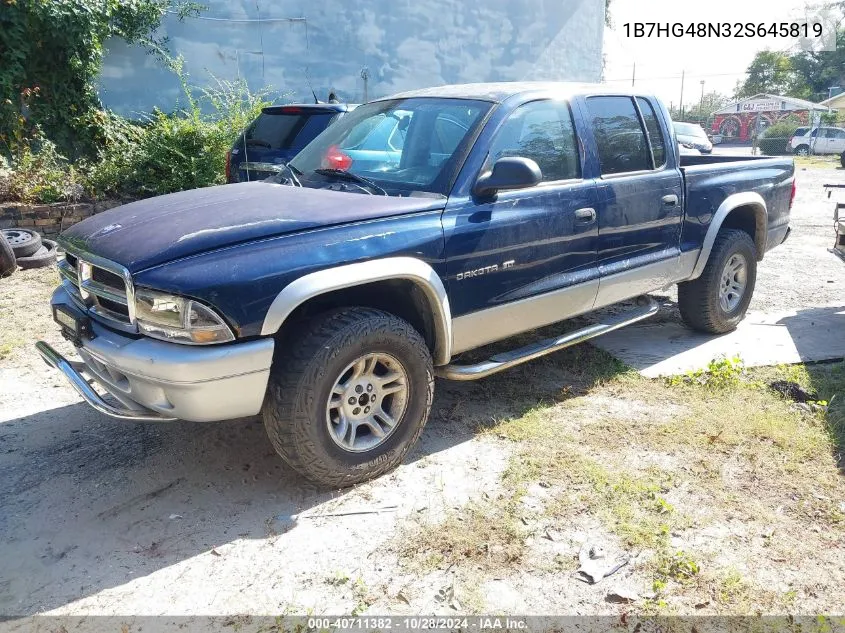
[348,175]
[293,176]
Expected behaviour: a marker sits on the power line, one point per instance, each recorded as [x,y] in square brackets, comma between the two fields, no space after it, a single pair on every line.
[678,76]
[262,20]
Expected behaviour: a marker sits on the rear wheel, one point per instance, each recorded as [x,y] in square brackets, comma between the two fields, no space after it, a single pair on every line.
[349,397]
[802,150]
[717,301]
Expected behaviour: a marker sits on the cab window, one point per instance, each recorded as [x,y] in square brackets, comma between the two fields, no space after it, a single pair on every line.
[619,134]
[542,131]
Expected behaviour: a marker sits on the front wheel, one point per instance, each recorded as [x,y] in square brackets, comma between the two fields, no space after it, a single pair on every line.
[842,159]
[350,396]
[717,301]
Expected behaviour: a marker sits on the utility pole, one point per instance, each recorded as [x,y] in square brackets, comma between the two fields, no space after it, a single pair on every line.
[634,74]
[681,104]
[365,75]
[701,102]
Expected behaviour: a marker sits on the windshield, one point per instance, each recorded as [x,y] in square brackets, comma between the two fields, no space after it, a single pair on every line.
[689,129]
[399,147]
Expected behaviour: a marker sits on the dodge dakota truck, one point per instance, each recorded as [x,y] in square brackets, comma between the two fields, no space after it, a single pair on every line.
[329,297]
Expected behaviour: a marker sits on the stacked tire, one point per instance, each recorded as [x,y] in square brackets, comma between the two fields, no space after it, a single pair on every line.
[24,248]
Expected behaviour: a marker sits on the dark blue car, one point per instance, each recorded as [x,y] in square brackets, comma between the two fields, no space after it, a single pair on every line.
[415,228]
[276,136]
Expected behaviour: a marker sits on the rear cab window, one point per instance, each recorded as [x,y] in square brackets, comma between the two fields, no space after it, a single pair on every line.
[620,136]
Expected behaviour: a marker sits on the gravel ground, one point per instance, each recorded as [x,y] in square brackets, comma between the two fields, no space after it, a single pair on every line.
[101,517]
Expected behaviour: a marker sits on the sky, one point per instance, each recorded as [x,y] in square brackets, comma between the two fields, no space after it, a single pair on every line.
[719,62]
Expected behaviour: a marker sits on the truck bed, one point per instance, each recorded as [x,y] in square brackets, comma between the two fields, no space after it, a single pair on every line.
[709,180]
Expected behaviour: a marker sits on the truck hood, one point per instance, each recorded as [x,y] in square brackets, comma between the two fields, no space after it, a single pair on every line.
[150,232]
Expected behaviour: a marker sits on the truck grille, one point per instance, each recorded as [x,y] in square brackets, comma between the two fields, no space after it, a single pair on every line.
[100,287]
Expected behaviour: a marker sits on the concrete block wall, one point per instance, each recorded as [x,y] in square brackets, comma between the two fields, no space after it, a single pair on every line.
[49,219]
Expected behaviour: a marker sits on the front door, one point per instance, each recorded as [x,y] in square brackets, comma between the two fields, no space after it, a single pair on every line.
[523,258]
[640,205]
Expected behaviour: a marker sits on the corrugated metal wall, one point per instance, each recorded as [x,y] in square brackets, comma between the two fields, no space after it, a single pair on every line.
[403,44]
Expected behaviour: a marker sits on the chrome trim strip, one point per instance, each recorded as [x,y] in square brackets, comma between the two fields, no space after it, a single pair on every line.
[83,257]
[744,199]
[101,290]
[72,373]
[340,277]
[66,271]
[506,360]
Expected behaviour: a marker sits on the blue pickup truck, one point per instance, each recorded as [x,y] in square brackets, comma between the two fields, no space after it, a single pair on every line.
[329,297]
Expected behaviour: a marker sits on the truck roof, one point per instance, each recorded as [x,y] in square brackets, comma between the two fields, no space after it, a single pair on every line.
[500,91]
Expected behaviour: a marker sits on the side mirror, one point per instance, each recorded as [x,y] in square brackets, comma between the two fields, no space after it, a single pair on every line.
[510,172]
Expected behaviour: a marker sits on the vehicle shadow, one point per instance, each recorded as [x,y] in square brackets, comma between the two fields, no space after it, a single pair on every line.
[90,503]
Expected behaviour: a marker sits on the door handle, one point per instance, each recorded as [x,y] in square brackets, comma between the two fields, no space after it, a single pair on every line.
[585,215]
[670,200]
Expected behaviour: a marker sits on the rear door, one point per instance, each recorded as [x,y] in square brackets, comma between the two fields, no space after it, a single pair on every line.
[831,140]
[640,196]
[837,141]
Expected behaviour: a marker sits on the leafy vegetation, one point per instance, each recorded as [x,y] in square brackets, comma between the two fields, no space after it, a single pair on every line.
[802,74]
[162,153]
[56,140]
[174,151]
[52,52]
[720,373]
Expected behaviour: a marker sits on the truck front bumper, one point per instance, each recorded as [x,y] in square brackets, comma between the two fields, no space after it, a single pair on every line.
[158,381]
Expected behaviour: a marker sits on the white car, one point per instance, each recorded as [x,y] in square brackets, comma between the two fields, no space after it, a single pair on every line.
[692,136]
[820,140]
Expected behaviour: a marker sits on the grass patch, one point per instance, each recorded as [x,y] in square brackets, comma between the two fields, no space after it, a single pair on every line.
[656,460]
[818,162]
[486,534]
[632,506]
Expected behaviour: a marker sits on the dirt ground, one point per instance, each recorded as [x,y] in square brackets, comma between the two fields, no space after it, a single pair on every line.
[718,495]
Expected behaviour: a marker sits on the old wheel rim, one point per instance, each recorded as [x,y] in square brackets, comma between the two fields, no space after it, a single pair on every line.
[733,282]
[803,151]
[367,402]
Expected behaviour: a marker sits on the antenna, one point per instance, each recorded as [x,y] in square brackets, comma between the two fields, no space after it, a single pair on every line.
[310,87]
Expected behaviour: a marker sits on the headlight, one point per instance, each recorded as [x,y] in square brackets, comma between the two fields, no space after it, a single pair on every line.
[178,319]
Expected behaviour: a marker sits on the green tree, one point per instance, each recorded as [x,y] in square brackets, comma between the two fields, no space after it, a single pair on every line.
[773,72]
[52,52]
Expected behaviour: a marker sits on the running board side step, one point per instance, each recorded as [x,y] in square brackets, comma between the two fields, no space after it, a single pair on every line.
[506,360]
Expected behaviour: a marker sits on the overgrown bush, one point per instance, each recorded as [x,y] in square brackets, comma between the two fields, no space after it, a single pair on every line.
[39,173]
[775,140]
[185,149]
[52,51]
[163,153]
